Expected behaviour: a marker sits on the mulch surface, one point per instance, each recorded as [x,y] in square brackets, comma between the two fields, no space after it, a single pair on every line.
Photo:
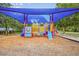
[16,45]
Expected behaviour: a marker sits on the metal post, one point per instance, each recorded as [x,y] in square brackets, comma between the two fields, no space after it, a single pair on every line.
[51,20]
[24,23]
[53,28]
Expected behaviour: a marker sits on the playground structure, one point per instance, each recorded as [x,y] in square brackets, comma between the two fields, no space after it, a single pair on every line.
[38,29]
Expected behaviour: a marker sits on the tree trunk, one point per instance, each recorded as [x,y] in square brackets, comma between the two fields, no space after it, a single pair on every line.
[6,31]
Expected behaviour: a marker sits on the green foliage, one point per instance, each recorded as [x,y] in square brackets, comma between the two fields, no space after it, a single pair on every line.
[41,24]
[5,4]
[29,24]
[69,23]
[8,22]
[67,5]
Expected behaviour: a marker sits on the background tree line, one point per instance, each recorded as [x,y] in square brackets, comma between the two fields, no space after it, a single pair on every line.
[70,23]
[8,22]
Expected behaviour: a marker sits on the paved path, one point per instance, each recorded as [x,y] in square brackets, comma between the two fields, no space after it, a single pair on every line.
[75,38]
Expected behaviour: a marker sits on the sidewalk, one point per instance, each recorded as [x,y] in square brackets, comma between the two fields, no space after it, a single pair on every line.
[74,38]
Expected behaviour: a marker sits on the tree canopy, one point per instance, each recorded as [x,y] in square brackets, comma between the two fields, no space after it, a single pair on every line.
[69,23]
[8,22]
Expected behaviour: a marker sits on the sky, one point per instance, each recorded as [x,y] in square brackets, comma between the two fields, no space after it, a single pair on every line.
[35,6]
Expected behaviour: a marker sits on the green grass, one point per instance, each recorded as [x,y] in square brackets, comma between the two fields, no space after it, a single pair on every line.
[18,32]
[76,34]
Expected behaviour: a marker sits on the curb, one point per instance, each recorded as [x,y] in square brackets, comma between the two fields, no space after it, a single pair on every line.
[69,39]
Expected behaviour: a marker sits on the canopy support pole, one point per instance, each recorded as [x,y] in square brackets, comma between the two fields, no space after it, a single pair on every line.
[25,21]
[54,31]
[53,26]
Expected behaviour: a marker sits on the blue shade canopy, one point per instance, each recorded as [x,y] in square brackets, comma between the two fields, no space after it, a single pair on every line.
[59,16]
[38,19]
[38,11]
[18,14]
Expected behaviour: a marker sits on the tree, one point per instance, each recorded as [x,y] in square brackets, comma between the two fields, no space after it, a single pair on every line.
[69,23]
[67,5]
[5,5]
[8,22]
[4,19]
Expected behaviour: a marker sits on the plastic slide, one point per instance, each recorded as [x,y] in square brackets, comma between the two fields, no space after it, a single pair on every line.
[49,35]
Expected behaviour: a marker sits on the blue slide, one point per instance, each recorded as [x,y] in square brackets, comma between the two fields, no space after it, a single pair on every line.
[49,35]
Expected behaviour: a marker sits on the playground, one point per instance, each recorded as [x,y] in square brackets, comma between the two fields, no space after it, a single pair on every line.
[39,36]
